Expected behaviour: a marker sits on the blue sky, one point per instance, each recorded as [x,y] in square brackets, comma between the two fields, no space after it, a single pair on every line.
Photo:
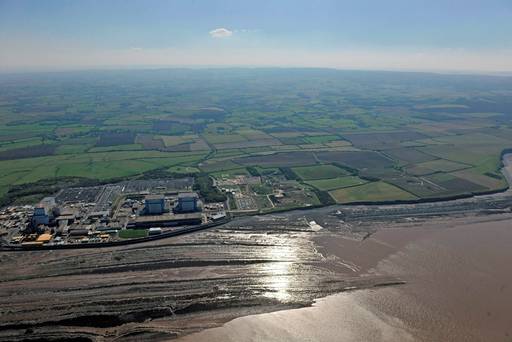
[447,35]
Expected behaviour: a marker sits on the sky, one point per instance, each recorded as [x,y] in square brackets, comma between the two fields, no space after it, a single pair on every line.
[420,35]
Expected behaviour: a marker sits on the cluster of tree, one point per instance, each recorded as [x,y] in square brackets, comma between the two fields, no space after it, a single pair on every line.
[324,197]
[493,175]
[349,169]
[253,171]
[261,189]
[162,173]
[204,184]
[289,174]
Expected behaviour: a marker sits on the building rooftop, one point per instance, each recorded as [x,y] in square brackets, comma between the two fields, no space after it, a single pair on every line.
[154,197]
[65,217]
[44,238]
[217,216]
[78,232]
[47,201]
[99,213]
[167,217]
[187,195]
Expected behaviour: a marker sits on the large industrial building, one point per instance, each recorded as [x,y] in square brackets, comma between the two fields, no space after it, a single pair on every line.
[154,205]
[40,216]
[44,212]
[156,213]
[165,220]
[187,203]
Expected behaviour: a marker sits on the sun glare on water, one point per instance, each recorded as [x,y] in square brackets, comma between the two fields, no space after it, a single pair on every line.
[278,272]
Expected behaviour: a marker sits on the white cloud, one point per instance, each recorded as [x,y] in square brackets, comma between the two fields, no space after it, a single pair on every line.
[221,33]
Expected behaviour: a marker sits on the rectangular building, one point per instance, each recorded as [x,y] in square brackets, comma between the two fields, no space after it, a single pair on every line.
[40,216]
[154,205]
[187,202]
[165,220]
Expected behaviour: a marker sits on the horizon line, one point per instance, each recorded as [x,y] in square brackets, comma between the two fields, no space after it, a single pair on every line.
[454,72]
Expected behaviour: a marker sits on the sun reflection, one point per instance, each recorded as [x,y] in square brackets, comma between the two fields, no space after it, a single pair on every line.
[278,272]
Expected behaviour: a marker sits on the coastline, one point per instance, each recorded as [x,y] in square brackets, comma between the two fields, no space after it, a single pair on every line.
[172,288]
[453,291]
[371,315]
[506,170]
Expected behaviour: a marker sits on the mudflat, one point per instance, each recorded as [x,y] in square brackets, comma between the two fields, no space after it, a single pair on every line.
[396,273]
[457,275]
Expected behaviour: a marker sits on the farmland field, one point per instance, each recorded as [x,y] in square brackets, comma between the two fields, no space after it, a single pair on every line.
[411,135]
[409,155]
[279,159]
[357,160]
[336,183]
[372,192]
[439,165]
[319,172]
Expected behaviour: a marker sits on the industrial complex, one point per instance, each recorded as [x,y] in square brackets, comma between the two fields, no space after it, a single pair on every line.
[139,210]
[134,210]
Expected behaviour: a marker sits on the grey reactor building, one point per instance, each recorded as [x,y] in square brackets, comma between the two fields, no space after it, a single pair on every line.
[158,212]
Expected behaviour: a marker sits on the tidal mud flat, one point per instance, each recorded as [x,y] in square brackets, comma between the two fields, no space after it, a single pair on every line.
[171,288]
[457,288]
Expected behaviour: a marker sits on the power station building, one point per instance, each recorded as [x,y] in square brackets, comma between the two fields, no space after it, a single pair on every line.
[156,213]
[187,203]
[154,205]
[40,216]
[44,212]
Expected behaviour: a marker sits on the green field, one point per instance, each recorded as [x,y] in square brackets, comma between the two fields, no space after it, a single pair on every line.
[372,192]
[133,233]
[336,183]
[223,121]
[321,139]
[319,172]
[439,165]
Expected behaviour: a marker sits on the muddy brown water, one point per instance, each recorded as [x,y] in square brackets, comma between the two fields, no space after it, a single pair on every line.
[459,288]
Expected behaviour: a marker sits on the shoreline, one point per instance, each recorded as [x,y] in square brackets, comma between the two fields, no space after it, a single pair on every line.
[187,230]
[503,169]
[506,155]
[205,280]
[176,287]
[445,293]
[8,247]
